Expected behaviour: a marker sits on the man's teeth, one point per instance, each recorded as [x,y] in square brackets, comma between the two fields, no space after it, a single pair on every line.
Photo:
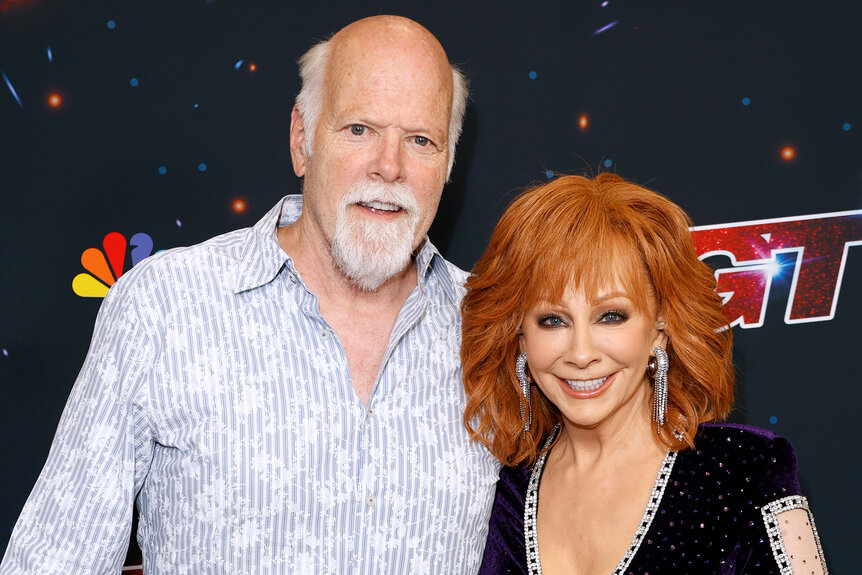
[585,385]
[375,205]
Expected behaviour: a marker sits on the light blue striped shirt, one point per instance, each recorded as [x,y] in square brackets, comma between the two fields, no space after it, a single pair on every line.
[216,393]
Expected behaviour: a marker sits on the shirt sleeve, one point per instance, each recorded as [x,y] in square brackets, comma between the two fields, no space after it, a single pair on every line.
[79,514]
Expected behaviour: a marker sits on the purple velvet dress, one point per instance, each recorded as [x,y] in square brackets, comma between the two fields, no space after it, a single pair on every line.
[712,512]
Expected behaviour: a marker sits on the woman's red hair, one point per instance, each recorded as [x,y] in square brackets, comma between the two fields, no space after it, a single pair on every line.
[584,233]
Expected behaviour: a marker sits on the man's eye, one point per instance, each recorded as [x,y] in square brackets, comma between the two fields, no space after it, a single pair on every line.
[357,129]
[421,140]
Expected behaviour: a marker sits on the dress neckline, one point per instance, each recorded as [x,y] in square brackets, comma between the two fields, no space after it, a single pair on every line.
[531,508]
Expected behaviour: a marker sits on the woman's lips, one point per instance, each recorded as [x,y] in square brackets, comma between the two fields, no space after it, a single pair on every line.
[586,388]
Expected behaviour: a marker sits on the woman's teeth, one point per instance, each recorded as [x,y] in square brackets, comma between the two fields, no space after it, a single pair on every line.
[585,385]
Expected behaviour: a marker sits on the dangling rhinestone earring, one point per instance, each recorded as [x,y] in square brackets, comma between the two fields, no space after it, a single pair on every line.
[526,410]
[657,369]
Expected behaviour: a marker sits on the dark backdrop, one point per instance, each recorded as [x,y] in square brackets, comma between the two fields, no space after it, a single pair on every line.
[171,111]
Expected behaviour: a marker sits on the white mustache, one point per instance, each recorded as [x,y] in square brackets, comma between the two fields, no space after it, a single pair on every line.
[380,195]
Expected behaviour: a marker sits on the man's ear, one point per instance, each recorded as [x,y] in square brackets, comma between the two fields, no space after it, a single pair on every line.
[297,141]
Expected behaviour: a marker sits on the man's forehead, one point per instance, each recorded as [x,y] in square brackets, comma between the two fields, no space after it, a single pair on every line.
[376,77]
[377,56]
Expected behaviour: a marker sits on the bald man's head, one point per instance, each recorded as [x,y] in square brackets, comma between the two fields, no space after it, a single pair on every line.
[373,44]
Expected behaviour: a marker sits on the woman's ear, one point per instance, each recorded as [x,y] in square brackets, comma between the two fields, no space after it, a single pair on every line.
[661,337]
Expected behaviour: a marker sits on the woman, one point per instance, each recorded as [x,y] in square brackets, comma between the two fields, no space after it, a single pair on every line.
[594,352]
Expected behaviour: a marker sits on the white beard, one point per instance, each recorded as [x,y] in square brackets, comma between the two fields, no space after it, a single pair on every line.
[367,252]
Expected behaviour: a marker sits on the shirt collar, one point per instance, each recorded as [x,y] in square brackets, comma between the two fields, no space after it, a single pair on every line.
[430,264]
[262,257]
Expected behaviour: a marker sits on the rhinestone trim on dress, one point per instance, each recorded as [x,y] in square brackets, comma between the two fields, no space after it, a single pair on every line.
[770,519]
[650,511]
[531,541]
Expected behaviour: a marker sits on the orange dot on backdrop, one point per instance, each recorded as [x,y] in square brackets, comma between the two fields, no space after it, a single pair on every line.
[55,100]
[252,67]
[788,153]
[238,205]
[583,121]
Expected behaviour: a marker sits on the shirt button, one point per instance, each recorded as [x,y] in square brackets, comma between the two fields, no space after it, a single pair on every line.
[324,333]
[292,277]
[370,501]
[370,413]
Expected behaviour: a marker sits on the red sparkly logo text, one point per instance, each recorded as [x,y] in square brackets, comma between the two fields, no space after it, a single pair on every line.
[819,245]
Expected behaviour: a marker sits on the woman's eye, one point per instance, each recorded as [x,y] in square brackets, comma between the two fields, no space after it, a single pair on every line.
[550,321]
[613,316]
[421,140]
[357,129]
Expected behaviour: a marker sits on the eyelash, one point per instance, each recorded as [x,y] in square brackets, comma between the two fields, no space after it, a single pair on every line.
[543,320]
[621,315]
[363,129]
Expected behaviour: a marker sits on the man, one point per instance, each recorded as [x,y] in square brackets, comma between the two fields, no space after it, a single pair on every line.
[287,398]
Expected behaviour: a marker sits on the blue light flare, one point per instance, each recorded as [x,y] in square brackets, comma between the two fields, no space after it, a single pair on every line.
[12,89]
[606,27]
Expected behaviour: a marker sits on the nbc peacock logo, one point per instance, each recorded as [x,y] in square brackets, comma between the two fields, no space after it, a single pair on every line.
[105,266]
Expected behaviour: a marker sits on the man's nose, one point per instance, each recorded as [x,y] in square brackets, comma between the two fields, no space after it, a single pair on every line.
[388,163]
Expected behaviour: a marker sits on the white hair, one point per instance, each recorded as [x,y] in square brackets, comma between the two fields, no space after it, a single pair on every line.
[369,253]
[309,101]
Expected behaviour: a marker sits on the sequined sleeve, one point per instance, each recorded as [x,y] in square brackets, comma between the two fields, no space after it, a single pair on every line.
[787,517]
[793,537]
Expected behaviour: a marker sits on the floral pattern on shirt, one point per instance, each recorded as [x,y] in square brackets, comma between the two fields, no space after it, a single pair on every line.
[216,393]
